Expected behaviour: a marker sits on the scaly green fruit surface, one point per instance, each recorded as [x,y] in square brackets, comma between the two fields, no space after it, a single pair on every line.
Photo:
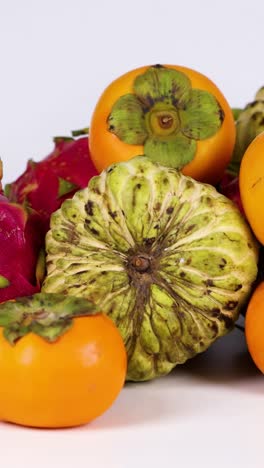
[249,123]
[169,259]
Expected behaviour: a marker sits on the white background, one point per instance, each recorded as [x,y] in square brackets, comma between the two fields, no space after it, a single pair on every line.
[56,57]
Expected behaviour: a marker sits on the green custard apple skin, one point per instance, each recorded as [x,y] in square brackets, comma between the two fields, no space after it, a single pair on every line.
[249,124]
[168,258]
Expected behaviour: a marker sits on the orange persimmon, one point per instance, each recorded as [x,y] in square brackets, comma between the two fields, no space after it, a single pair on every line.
[251,185]
[172,114]
[67,382]
[254,326]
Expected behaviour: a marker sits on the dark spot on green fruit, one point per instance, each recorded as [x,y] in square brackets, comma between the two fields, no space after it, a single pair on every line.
[148,241]
[190,349]
[239,286]
[111,310]
[223,263]
[229,322]
[231,305]
[182,274]
[190,228]
[111,128]
[89,207]
[169,210]
[94,231]
[215,312]
[96,190]
[92,281]
[189,184]
[156,226]
[138,186]
[113,214]
[158,65]
[157,207]
[213,326]
[207,200]
[249,245]
[209,282]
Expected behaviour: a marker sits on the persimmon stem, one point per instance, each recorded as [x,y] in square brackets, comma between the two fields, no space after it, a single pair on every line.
[82,131]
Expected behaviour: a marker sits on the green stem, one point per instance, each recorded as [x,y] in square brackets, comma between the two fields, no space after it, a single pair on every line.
[82,131]
[59,139]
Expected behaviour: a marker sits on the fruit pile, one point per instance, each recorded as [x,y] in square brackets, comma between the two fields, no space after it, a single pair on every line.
[132,247]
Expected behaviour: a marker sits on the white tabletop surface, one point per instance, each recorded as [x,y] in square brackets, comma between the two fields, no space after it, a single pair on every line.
[56,58]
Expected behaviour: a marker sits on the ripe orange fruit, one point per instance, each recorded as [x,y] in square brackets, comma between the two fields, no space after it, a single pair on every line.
[251,185]
[254,326]
[172,114]
[67,382]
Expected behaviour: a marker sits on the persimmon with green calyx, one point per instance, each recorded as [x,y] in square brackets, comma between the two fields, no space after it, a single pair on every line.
[62,362]
[173,115]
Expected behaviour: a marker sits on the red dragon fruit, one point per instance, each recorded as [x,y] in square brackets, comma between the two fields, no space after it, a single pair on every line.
[20,247]
[229,186]
[46,184]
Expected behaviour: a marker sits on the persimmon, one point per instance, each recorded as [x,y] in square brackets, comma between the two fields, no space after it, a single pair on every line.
[254,326]
[174,115]
[61,364]
[251,185]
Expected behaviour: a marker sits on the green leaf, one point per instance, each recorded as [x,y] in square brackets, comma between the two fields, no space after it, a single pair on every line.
[53,332]
[7,190]
[47,315]
[65,186]
[4,282]
[14,332]
[11,312]
[127,120]
[62,139]
[80,132]
[176,152]
[203,116]
[162,84]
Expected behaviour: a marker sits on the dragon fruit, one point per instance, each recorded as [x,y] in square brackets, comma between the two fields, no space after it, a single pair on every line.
[46,184]
[21,272]
[229,186]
